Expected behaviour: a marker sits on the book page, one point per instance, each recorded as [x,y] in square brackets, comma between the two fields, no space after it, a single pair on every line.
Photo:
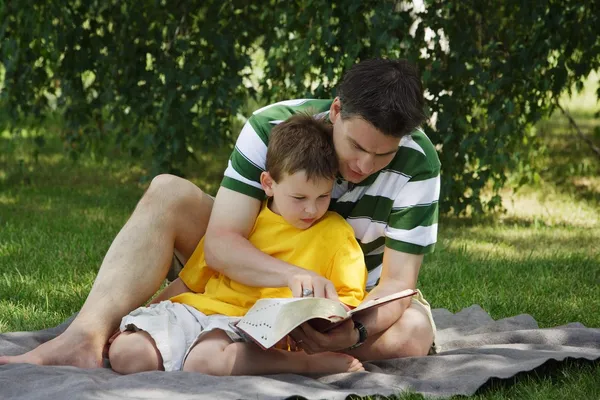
[270,320]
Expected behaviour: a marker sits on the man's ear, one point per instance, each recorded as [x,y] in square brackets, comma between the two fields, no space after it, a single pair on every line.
[266,181]
[335,110]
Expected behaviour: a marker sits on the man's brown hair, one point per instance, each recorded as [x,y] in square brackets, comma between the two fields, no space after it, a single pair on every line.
[302,143]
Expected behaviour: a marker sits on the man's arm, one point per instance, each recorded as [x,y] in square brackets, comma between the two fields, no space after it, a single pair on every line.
[228,251]
[400,271]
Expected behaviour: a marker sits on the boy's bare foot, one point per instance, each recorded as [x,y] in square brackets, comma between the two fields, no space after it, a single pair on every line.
[331,363]
[69,348]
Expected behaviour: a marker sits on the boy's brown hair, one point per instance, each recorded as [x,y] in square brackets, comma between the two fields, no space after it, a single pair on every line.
[302,143]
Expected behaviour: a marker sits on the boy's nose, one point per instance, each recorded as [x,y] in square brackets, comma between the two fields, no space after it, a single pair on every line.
[310,209]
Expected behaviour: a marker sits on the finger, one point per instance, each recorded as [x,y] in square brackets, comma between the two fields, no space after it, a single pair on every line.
[296,288]
[330,291]
[311,334]
[307,284]
[319,289]
[314,342]
[298,337]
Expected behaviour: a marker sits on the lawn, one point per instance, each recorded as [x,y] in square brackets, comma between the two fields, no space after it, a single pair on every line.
[540,257]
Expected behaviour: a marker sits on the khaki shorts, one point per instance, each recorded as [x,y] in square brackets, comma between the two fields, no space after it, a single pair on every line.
[418,301]
[176,328]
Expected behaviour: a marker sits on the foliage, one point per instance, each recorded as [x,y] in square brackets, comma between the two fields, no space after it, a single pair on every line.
[172,76]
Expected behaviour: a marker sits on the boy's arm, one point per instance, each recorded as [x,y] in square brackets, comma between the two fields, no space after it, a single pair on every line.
[176,287]
[228,251]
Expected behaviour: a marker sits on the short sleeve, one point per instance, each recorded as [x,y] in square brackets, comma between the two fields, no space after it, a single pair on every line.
[412,224]
[247,161]
[348,272]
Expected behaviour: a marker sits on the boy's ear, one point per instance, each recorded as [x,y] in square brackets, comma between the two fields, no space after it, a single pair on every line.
[266,181]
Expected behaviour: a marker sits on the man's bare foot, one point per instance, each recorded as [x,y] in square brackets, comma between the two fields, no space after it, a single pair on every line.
[331,363]
[70,348]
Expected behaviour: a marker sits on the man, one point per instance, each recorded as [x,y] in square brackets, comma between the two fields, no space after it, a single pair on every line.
[388,191]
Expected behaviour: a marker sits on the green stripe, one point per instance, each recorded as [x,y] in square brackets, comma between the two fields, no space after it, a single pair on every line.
[262,127]
[242,187]
[342,208]
[411,217]
[373,261]
[415,164]
[244,167]
[409,247]
[408,162]
[369,247]
[376,208]
[430,152]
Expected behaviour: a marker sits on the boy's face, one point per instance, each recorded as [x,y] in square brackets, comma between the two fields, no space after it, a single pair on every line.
[299,201]
[361,148]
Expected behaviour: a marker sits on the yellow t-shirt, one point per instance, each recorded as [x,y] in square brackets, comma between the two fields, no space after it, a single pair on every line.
[328,248]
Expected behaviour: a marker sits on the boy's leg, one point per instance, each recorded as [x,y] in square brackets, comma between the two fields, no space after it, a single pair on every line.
[216,354]
[172,213]
[133,352]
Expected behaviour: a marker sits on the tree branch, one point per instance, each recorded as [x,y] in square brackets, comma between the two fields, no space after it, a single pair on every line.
[572,122]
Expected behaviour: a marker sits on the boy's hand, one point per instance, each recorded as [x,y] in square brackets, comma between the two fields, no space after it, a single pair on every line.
[312,285]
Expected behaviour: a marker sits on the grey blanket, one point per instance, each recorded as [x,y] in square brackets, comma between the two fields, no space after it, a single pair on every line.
[473,348]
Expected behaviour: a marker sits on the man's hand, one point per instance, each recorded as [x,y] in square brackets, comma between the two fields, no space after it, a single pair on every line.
[308,280]
[313,341]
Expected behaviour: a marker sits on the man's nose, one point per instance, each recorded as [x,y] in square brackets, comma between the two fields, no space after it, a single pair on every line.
[366,164]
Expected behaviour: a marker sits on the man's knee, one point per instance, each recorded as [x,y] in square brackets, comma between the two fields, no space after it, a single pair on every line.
[417,333]
[170,190]
[133,352]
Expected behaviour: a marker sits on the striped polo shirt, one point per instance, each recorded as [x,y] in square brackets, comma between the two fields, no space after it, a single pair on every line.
[396,207]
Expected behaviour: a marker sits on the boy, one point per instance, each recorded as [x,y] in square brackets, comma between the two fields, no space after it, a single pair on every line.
[192,331]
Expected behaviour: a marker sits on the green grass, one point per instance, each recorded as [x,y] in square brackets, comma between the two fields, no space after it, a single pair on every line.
[541,257]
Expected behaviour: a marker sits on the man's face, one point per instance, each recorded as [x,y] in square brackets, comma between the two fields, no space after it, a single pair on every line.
[362,150]
[301,202]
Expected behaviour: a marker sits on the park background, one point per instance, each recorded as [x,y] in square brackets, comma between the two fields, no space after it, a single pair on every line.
[96,98]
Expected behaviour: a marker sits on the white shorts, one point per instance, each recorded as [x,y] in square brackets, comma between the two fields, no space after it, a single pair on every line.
[176,328]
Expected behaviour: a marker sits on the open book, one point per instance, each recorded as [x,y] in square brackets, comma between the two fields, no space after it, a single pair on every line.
[270,320]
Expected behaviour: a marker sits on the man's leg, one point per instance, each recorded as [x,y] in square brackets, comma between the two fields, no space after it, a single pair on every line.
[172,213]
[410,336]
